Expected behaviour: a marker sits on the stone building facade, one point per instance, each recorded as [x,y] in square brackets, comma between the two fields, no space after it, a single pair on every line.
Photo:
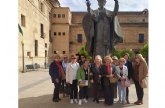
[34,19]
[134,26]
[49,29]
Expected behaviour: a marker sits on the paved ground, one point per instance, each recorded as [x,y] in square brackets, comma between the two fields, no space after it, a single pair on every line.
[35,91]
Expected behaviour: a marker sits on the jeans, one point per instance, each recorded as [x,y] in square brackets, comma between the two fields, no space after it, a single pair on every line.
[121,92]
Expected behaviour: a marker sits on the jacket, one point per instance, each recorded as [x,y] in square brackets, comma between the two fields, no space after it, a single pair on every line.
[143,71]
[69,72]
[53,71]
[125,71]
[106,80]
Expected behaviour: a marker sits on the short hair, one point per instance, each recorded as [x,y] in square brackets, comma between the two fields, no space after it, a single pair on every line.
[122,59]
[126,54]
[56,56]
[73,55]
[108,58]
[99,57]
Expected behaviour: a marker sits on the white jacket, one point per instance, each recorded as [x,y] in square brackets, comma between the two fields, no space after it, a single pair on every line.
[125,71]
[69,72]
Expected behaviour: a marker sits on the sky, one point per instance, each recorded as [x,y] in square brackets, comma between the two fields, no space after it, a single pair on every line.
[124,5]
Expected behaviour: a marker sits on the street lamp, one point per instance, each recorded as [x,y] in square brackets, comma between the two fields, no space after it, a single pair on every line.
[23,61]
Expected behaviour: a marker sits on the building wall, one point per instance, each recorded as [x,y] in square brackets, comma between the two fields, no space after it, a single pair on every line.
[34,16]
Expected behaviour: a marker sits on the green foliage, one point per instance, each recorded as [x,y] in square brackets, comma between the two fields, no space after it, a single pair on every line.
[121,53]
[84,52]
[144,51]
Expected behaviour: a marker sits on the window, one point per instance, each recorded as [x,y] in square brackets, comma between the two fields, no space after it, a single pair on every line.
[59,33]
[79,38]
[63,15]
[46,53]
[55,34]
[63,33]
[50,38]
[42,30]
[36,48]
[59,15]
[141,38]
[54,15]
[46,45]
[42,7]
[143,20]
[22,20]
[55,52]
[29,54]
[63,52]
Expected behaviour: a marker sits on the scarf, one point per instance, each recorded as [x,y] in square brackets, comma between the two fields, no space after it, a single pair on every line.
[59,68]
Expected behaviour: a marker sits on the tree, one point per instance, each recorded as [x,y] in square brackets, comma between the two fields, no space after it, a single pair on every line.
[144,51]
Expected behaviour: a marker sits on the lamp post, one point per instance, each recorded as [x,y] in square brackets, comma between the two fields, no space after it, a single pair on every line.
[23,61]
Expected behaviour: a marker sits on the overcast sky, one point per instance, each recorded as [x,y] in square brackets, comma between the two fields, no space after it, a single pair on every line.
[124,5]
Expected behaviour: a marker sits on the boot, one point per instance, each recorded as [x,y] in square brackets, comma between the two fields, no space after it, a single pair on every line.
[127,100]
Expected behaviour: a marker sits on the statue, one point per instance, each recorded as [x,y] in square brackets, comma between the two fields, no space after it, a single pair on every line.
[102,29]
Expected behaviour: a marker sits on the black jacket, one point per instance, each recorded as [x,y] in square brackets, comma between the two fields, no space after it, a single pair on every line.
[130,69]
[53,71]
[106,80]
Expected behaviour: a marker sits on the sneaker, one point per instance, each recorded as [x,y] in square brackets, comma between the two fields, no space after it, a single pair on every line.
[71,101]
[123,102]
[75,100]
[85,100]
[80,102]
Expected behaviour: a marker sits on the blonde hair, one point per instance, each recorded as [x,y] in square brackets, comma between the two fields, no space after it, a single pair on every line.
[108,58]
[99,57]
[139,56]
[54,56]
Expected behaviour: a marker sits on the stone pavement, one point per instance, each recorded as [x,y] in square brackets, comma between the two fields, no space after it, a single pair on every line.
[36,88]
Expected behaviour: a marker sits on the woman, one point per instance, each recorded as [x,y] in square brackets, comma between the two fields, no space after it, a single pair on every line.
[83,78]
[96,77]
[56,72]
[71,78]
[115,63]
[108,72]
[130,74]
[140,73]
[122,73]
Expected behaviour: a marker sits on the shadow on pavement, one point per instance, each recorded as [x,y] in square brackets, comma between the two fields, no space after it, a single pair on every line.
[45,101]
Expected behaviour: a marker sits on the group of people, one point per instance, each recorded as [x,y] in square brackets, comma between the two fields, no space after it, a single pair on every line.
[99,79]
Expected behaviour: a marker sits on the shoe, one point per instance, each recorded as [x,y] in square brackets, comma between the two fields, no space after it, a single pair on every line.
[85,100]
[55,100]
[71,101]
[127,100]
[119,101]
[139,102]
[80,102]
[136,102]
[97,100]
[94,99]
[75,100]
[59,99]
[123,102]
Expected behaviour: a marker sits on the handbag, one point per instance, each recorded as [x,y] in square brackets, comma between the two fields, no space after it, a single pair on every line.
[83,83]
[113,80]
[143,83]
[127,82]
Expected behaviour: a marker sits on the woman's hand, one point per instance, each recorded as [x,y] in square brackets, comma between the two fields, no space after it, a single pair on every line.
[57,80]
